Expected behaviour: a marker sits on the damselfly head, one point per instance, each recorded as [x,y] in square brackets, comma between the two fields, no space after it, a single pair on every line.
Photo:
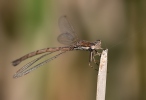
[97,44]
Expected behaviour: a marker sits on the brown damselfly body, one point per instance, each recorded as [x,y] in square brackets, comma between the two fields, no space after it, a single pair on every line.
[67,37]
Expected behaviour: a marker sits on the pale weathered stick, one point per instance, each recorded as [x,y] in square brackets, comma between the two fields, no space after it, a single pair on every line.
[101,78]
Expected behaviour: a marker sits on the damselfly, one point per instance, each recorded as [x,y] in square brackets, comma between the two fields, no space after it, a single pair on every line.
[67,37]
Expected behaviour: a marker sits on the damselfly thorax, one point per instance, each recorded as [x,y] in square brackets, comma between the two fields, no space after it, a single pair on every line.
[68,37]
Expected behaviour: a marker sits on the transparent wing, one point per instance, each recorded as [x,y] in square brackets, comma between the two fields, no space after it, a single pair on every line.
[31,63]
[24,70]
[68,35]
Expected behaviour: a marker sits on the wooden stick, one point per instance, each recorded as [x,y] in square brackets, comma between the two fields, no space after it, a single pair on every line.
[101,78]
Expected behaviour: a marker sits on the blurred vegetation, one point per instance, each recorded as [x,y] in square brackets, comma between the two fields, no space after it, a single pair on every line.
[29,25]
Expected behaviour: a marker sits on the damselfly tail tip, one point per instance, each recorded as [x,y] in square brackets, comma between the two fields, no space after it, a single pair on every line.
[16,62]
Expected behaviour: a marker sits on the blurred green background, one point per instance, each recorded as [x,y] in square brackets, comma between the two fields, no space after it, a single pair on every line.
[29,25]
